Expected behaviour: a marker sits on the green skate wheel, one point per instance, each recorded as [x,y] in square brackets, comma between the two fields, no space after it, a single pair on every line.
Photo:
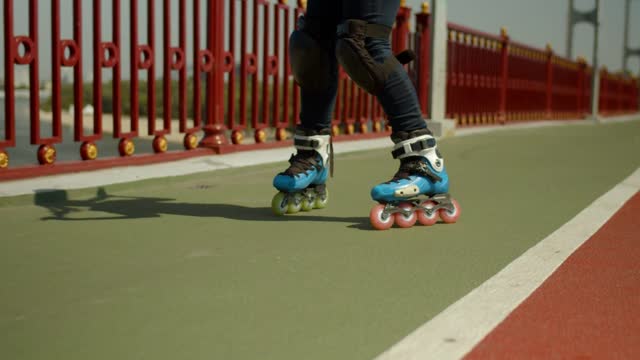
[295,203]
[322,200]
[279,204]
[308,204]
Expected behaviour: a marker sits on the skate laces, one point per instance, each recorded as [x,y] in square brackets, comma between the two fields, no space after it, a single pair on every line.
[302,162]
[403,173]
[413,166]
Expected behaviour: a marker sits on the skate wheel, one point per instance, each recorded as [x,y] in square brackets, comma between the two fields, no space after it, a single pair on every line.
[450,217]
[295,204]
[406,221]
[322,200]
[380,220]
[425,218]
[308,205]
[279,204]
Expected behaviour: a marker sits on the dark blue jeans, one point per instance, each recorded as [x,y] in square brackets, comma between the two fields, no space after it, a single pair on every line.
[398,98]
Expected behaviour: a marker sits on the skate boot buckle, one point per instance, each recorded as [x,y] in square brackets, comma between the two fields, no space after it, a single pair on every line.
[407,191]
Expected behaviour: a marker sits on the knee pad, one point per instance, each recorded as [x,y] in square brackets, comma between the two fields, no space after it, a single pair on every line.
[311,52]
[356,59]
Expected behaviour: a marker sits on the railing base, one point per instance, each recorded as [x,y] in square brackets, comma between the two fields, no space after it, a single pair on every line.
[63,167]
[60,168]
[214,138]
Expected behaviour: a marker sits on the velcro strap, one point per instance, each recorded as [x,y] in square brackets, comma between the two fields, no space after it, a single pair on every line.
[361,27]
[417,146]
[306,143]
[406,56]
[378,31]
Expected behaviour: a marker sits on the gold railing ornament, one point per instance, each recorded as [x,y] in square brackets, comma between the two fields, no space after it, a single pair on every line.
[425,8]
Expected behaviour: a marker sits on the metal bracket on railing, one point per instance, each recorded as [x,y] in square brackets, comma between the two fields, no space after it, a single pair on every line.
[74,53]
[28,45]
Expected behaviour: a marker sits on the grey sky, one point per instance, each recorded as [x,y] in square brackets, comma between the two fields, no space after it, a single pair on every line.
[532,22]
[537,22]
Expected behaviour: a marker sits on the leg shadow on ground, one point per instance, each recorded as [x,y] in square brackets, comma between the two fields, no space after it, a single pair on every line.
[133,207]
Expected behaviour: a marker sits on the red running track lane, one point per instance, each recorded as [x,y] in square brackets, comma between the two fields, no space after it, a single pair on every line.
[588,309]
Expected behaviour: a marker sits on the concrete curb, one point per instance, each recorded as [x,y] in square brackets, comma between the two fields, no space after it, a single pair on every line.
[235,160]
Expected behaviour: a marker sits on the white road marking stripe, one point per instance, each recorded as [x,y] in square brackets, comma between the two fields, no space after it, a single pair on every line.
[455,331]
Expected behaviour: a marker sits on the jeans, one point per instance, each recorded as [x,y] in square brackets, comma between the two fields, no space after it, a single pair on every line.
[398,97]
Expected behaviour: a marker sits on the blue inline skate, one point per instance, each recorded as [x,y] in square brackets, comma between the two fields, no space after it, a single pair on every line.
[419,190]
[302,185]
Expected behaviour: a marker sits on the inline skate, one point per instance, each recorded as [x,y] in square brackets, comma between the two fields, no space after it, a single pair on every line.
[419,190]
[302,186]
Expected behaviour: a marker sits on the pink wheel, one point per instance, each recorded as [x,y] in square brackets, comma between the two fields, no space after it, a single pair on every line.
[406,221]
[450,216]
[380,220]
[424,218]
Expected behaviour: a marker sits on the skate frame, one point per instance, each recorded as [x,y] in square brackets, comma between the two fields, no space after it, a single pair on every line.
[443,201]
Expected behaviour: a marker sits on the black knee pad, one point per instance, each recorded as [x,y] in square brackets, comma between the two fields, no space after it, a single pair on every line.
[356,59]
[311,52]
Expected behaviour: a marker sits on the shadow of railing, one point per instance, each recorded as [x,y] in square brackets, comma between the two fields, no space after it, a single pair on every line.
[104,206]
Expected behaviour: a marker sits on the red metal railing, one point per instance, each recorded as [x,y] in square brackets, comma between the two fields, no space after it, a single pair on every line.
[474,76]
[242,82]
[618,94]
[494,79]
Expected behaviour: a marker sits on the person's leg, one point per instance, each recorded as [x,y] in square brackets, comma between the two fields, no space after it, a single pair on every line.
[315,70]
[319,78]
[364,51]
[397,95]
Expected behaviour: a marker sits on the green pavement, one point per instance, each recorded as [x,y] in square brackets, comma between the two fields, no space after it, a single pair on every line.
[196,267]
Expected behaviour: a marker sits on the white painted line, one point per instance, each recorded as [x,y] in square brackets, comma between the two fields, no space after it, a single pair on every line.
[455,331]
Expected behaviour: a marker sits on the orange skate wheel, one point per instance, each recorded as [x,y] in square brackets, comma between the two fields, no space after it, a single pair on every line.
[379,219]
[406,221]
[451,216]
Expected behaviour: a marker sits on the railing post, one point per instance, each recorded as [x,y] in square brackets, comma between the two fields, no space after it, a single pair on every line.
[422,28]
[438,55]
[636,92]
[595,80]
[602,89]
[9,139]
[214,129]
[549,87]
[401,33]
[582,73]
[620,95]
[439,124]
[504,75]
